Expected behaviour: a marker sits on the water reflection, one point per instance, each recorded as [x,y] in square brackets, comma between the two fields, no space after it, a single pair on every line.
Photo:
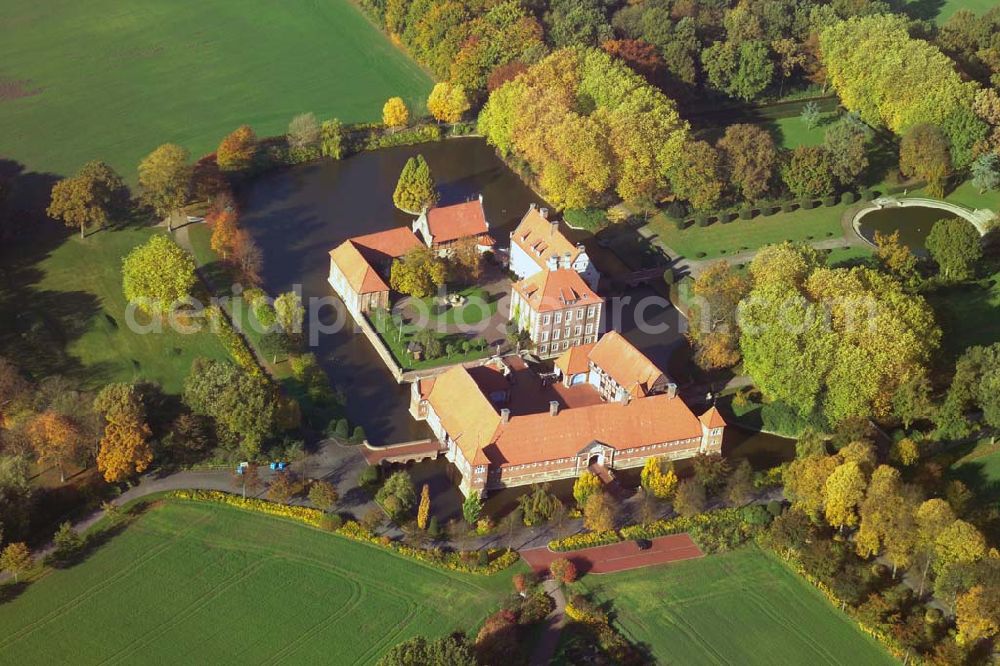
[298,215]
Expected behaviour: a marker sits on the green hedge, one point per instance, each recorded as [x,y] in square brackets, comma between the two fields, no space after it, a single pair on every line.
[497,559]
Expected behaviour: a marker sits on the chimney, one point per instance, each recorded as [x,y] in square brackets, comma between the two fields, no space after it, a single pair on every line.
[579,247]
[531,206]
[553,227]
[480,197]
[504,415]
[544,212]
[671,390]
[553,407]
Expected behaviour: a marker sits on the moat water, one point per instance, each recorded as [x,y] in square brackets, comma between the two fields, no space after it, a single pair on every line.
[298,215]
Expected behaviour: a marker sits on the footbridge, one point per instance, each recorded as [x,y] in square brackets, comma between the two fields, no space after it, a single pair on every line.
[415,451]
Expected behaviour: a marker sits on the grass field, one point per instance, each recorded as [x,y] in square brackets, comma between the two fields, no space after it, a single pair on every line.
[197,583]
[718,240]
[112,80]
[969,314]
[67,315]
[948,7]
[742,607]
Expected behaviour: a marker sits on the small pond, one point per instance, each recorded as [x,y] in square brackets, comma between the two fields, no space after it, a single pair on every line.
[913,222]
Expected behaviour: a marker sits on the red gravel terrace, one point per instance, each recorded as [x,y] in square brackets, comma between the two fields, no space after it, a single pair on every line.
[615,557]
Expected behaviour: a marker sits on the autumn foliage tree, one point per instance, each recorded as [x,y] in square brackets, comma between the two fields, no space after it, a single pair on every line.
[448,102]
[586,485]
[418,273]
[395,114]
[236,152]
[424,508]
[15,559]
[323,495]
[749,158]
[56,440]
[124,448]
[924,153]
[165,179]
[658,479]
[90,198]
[224,231]
[563,570]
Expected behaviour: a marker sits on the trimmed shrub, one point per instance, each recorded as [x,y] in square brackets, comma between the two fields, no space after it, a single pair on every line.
[848,197]
[701,219]
[830,201]
[699,255]
[746,214]
[725,217]
[767,211]
[668,276]
[867,194]
[788,207]
[807,203]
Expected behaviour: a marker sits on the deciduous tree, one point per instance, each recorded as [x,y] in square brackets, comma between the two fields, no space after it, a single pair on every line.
[323,495]
[56,440]
[332,139]
[809,172]
[448,102]
[598,513]
[88,199]
[658,478]
[237,151]
[395,114]
[956,246]
[418,273]
[695,176]
[289,312]
[304,133]
[165,179]
[586,485]
[924,153]
[124,448]
[690,499]
[15,559]
[157,274]
[424,508]
[748,158]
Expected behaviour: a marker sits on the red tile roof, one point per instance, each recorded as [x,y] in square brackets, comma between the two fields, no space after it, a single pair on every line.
[540,238]
[628,366]
[449,223]
[356,257]
[713,419]
[574,360]
[474,423]
[556,290]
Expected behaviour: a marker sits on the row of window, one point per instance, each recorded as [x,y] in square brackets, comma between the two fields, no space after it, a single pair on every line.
[576,332]
[566,344]
[558,316]
[639,449]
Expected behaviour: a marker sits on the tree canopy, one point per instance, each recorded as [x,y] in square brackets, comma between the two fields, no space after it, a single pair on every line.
[158,274]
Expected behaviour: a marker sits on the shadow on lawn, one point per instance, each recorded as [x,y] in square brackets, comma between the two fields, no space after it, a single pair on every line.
[37,325]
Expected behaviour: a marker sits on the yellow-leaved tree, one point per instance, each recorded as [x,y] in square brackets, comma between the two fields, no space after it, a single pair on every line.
[977,614]
[845,488]
[395,114]
[658,479]
[447,102]
[424,509]
[586,485]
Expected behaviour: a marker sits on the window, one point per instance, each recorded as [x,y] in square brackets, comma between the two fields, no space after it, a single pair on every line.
[578,330]
[558,317]
[591,310]
[555,334]
[579,313]
[566,332]
[569,315]
[545,320]
[587,340]
[543,349]
[565,344]
[545,336]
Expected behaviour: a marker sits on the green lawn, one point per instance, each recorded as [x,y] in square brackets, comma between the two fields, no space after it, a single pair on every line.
[66,314]
[791,132]
[478,307]
[197,583]
[718,240]
[742,607]
[949,7]
[112,80]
